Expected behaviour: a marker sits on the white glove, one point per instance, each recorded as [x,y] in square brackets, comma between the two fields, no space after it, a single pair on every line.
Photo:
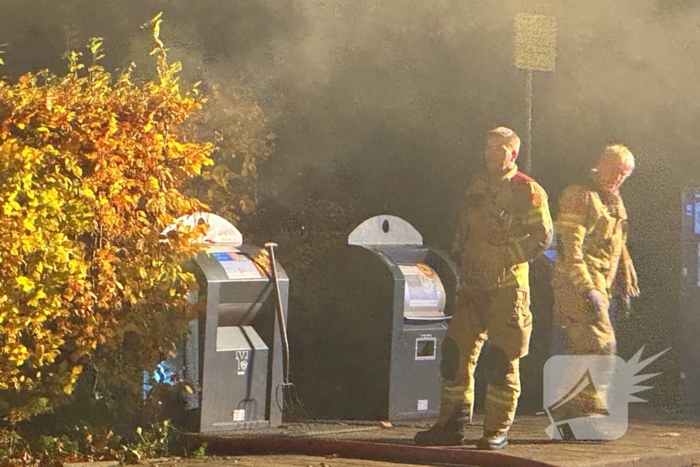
[599,301]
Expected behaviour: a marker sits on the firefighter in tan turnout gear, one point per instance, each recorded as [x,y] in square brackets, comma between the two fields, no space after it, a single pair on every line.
[593,265]
[504,224]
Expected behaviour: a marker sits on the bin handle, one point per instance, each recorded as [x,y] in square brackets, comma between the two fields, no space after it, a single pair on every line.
[280,314]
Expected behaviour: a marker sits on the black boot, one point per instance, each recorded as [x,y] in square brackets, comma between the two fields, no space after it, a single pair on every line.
[452,433]
[493,441]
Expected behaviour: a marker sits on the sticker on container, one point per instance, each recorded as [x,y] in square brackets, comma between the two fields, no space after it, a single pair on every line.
[242,358]
[423,303]
[425,269]
[422,289]
[239,415]
[237,265]
[422,404]
[409,269]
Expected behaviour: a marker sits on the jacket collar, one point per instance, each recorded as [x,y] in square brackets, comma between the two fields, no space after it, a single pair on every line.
[508,176]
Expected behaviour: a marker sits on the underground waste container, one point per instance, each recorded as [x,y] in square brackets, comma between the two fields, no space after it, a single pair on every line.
[375,344]
[233,357]
[689,317]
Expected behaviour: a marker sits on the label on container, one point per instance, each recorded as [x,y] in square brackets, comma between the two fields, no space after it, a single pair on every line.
[236,265]
[423,289]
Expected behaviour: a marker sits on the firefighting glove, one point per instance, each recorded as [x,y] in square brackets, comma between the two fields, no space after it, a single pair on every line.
[599,302]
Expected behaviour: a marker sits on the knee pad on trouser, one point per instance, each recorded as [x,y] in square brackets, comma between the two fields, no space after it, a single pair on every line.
[496,365]
[449,364]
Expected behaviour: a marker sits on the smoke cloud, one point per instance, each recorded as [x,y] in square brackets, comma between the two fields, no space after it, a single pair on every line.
[381,106]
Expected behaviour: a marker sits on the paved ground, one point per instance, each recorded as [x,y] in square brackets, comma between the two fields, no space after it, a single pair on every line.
[283,461]
[644,439]
[651,440]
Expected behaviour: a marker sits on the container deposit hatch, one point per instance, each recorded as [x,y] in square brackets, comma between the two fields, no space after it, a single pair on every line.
[233,351]
[376,346]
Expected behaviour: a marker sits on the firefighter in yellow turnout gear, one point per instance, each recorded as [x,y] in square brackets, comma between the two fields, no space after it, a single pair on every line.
[593,265]
[504,225]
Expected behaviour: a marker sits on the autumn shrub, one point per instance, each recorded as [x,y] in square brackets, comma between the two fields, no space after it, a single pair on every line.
[231,186]
[91,167]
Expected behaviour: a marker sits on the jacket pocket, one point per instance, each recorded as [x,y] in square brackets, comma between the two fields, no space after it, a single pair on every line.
[522,316]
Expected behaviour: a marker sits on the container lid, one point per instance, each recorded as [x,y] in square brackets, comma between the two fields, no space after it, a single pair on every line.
[385,230]
[220,230]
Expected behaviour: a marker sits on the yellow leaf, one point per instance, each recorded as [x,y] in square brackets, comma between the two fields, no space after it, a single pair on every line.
[152,184]
[113,127]
[26,283]
[95,45]
[29,225]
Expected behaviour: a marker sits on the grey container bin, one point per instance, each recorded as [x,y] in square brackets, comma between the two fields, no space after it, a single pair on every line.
[233,355]
[377,347]
[689,317]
